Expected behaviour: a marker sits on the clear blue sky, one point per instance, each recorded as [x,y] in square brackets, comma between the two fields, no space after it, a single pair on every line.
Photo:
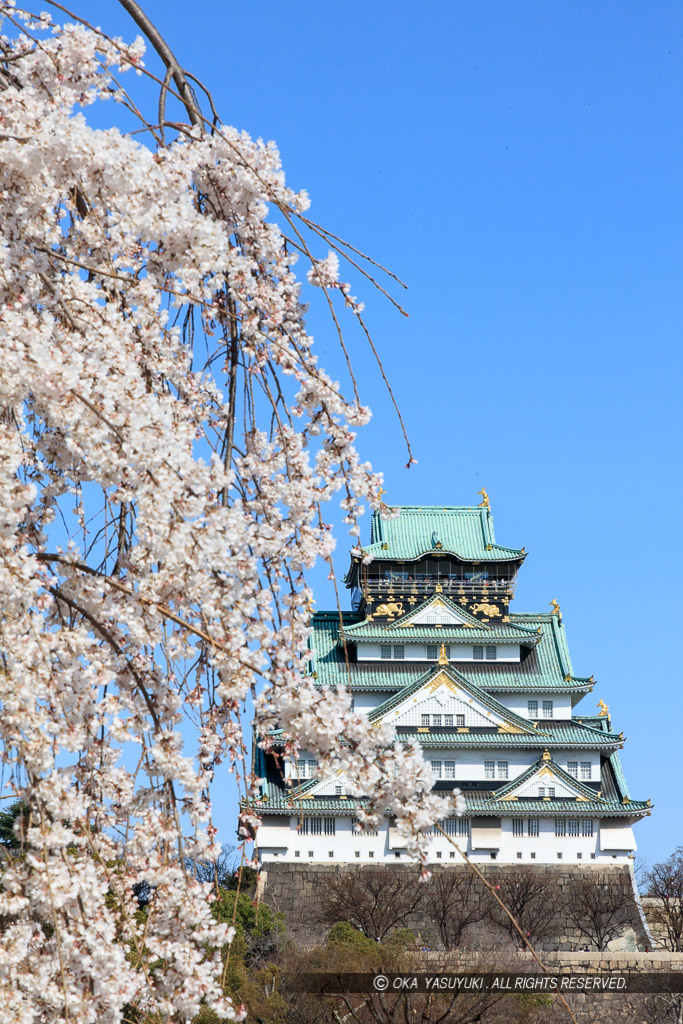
[519,166]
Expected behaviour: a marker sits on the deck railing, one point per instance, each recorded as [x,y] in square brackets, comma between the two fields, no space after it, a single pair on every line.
[444,584]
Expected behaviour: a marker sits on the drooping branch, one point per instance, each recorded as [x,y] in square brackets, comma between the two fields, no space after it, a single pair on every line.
[168,57]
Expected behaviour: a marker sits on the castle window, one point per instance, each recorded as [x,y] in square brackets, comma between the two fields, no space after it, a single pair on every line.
[454,827]
[436,769]
[533,855]
[312,769]
[547,709]
[502,769]
[301,768]
[436,720]
[460,720]
[519,856]
[312,827]
[587,827]
[449,769]
[424,719]
[518,826]
[330,826]
[358,829]
[585,771]
[573,827]
[478,653]
[490,653]
[337,790]
[573,769]
[546,791]
[387,651]
[532,827]
[560,827]
[448,720]
[532,708]
[489,769]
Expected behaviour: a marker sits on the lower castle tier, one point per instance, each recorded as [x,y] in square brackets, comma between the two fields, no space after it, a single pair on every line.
[488,694]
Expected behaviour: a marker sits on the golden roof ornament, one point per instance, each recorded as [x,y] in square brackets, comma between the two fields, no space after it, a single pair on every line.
[443,660]
[604,710]
[545,756]
[485,502]
[556,609]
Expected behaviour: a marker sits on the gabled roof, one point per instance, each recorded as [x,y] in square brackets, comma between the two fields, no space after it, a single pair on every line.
[546,766]
[456,681]
[461,616]
[464,531]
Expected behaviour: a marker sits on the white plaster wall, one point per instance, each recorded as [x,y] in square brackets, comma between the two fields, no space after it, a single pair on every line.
[346,847]
[517,702]
[367,701]
[418,652]
[469,766]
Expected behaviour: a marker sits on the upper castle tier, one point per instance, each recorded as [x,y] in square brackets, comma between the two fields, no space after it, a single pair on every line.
[437,549]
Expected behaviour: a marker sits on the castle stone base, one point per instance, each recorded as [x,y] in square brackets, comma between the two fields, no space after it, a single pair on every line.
[297,890]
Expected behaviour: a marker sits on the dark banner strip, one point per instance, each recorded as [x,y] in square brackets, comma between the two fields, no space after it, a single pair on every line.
[465,982]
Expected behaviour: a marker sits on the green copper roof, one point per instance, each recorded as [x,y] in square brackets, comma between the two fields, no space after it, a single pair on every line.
[504,632]
[545,668]
[418,530]
[476,803]
[565,735]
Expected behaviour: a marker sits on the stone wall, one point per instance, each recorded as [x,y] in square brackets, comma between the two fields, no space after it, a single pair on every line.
[296,890]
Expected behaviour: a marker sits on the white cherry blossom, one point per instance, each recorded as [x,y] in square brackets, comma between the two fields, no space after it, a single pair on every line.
[167,445]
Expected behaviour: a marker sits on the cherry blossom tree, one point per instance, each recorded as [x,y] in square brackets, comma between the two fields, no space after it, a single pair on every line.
[168,446]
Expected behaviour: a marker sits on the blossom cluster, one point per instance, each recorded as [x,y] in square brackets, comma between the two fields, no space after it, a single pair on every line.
[158,512]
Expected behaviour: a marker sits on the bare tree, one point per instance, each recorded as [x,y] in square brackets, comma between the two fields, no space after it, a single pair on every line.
[532,896]
[658,1008]
[664,887]
[375,901]
[597,908]
[221,871]
[454,899]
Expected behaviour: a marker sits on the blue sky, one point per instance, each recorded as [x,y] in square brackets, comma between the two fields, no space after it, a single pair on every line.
[519,166]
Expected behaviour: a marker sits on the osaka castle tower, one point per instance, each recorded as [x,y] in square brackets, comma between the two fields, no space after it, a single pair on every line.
[432,646]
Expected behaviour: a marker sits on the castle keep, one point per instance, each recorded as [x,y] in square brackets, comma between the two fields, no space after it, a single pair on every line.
[432,645]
